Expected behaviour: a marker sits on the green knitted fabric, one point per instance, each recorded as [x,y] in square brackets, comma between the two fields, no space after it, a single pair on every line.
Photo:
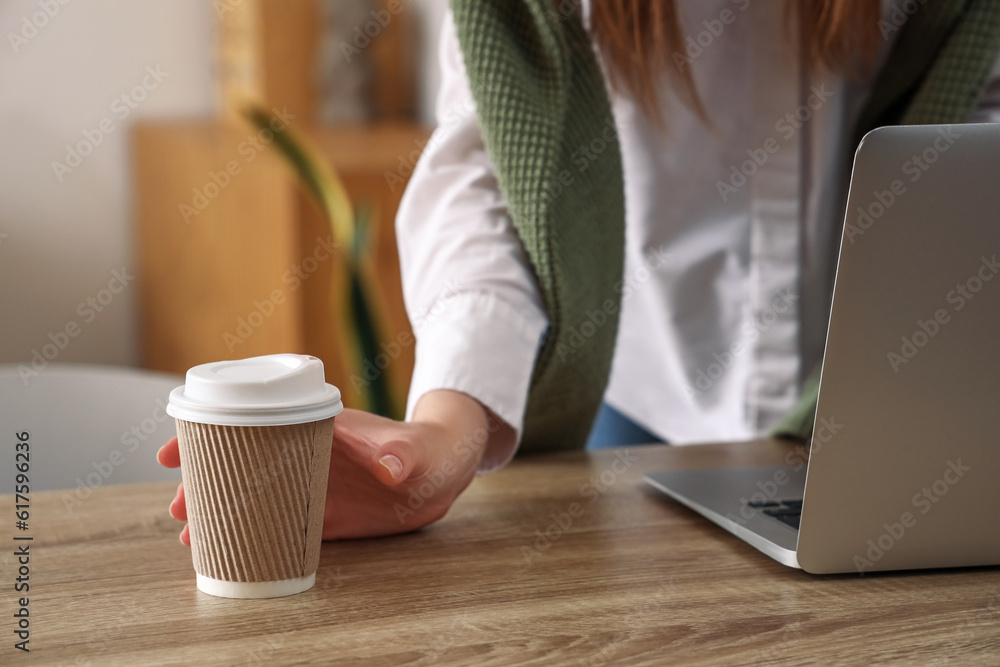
[935,74]
[540,98]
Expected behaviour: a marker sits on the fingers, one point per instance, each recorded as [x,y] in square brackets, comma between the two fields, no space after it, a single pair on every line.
[178,507]
[178,510]
[355,443]
[170,454]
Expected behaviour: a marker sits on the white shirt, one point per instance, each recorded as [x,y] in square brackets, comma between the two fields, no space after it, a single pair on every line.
[731,237]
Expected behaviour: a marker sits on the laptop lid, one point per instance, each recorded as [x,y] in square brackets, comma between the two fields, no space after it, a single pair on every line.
[906,449]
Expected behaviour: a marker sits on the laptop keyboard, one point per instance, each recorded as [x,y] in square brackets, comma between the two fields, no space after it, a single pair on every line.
[788,512]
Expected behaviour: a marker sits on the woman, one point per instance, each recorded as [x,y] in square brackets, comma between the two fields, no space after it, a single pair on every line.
[730,127]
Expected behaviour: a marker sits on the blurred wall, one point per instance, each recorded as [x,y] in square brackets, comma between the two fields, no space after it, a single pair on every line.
[74,75]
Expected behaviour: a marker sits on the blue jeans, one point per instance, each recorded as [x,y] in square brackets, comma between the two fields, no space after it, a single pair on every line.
[613,429]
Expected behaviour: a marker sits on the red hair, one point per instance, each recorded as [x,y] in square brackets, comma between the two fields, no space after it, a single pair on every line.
[642,41]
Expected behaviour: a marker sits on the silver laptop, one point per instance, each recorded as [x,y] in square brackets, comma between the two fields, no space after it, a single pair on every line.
[904,469]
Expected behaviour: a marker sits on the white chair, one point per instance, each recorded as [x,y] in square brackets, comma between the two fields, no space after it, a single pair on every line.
[88,426]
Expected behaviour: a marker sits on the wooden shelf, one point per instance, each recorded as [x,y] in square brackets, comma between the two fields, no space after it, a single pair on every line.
[270,51]
[233,255]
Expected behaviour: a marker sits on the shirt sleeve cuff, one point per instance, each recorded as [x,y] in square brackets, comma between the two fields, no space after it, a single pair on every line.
[480,345]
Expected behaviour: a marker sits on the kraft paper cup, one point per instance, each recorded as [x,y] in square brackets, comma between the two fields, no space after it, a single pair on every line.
[255,439]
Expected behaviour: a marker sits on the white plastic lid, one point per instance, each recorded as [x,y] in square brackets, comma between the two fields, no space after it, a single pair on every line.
[260,391]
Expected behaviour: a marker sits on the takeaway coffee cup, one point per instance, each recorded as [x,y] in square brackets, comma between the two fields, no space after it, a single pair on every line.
[255,438]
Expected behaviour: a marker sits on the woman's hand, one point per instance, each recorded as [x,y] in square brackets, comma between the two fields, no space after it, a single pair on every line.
[392,477]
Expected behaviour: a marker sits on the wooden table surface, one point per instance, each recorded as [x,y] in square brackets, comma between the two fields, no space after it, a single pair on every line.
[508,577]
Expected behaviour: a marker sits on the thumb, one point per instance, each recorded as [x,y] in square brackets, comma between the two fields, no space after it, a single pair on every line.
[391,451]
[397,461]
[413,452]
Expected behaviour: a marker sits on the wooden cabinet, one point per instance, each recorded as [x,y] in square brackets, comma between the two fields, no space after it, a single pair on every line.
[235,259]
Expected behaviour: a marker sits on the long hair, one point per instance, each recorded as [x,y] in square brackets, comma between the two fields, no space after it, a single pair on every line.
[642,41]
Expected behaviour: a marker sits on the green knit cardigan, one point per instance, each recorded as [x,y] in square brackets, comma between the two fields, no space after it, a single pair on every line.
[541,96]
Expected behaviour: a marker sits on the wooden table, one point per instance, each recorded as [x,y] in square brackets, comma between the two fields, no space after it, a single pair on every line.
[508,577]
